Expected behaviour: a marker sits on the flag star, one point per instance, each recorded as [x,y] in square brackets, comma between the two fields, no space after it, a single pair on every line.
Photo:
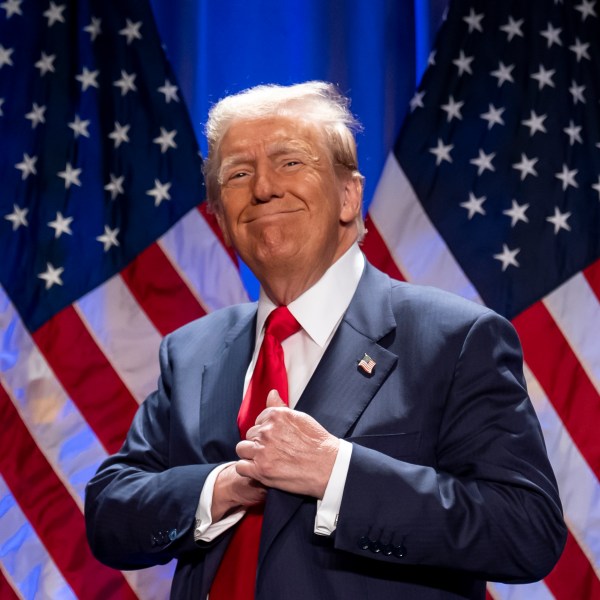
[5,56]
[442,152]
[80,127]
[574,133]
[431,58]
[535,123]
[493,116]
[417,101]
[126,83]
[119,134]
[12,7]
[580,50]
[559,220]
[37,115]
[544,77]
[115,187]
[17,217]
[88,78]
[109,238]
[94,28]
[46,63]
[517,213]
[508,257]
[577,92]
[132,31]
[160,191]
[51,275]
[526,166]
[513,28]
[463,63]
[166,139]
[503,73]
[567,177]
[170,91]
[70,175]
[483,162]
[55,13]
[61,225]
[596,186]
[473,20]
[27,166]
[452,109]
[586,8]
[474,205]
[552,35]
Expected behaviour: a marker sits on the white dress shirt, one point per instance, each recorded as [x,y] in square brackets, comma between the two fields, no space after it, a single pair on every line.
[319,310]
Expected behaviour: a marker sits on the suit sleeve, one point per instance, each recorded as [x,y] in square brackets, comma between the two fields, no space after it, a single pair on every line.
[140,507]
[487,502]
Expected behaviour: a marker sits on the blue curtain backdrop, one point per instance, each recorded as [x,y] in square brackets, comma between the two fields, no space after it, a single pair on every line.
[374,50]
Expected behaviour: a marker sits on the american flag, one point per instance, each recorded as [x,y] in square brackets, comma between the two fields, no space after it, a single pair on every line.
[493,192]
[367,364]
[104,248]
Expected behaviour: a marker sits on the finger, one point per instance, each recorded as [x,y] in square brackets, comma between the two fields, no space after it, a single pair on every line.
[245,468]
[274,400]
[246,449]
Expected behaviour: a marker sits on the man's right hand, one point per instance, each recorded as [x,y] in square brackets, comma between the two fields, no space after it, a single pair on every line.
[233,492]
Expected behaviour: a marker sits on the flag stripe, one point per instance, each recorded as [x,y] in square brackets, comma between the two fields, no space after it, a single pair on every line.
[592,274]
[24,561]
[529,591]
[72,353]
[561,376]
[203,263]
[6,590]
[573,576]
[124,334]
[579,488]
[51,510]
[160,291]
[211,220]
[378,253]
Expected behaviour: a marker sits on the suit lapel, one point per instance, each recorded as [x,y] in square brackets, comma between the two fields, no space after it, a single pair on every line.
[222,389]
[339,391]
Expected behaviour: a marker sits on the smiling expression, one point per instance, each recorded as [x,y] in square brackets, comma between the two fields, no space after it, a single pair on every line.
[284,206]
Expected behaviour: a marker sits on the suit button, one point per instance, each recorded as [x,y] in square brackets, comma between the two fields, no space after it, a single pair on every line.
[172,534]
[375,547]
[364,543]
[386,550]
[154,541]
[399,551]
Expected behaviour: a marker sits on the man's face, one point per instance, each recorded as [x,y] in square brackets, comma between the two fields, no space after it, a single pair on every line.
[284,207]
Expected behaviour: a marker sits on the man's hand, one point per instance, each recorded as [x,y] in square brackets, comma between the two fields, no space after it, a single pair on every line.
[287,450]
[232,492]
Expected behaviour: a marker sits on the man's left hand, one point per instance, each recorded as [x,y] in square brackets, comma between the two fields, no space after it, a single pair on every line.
[288,450]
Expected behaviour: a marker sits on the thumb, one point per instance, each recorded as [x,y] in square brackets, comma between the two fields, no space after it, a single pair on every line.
[274,400]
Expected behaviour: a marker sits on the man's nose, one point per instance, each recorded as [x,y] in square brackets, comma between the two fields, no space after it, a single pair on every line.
[266,185]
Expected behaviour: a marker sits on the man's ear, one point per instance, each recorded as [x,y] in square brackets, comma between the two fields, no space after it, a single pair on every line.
[352,192]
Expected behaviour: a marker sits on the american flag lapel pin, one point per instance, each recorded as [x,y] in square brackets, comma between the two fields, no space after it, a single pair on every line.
[367,364]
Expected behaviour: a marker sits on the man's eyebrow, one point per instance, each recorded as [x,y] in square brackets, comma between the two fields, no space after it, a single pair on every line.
[285,147]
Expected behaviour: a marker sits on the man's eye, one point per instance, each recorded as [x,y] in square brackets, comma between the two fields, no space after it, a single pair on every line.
[292,163]
[238,175]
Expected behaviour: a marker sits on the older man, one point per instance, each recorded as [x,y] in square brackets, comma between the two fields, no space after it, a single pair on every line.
[348,437]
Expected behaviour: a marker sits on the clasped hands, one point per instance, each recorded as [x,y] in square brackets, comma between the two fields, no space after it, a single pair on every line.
[284,449]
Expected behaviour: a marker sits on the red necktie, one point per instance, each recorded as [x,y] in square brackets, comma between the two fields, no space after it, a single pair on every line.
[236,575]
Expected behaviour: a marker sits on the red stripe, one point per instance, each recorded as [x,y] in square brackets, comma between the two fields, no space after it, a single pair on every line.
[488,596]
[378,253]
[160,290]
[87,376]
[6,590]
[592,274]
[52,511]
[573,576]
[563,379]
[214,225]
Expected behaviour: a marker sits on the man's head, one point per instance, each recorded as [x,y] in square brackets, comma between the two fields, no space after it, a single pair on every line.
[283,179]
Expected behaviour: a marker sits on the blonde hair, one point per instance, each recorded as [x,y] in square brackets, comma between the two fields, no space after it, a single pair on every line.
[317,102]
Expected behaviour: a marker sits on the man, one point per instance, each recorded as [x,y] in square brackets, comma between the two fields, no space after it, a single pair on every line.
[407,461]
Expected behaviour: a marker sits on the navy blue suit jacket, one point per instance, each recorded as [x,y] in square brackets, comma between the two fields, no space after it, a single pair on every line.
[448,486]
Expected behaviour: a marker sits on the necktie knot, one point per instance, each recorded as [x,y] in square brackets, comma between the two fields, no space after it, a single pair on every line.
[281,323]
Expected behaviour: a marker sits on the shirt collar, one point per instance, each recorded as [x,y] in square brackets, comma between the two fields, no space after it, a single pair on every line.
[320,308]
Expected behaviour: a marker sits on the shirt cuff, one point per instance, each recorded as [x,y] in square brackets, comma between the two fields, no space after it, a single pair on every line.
[206,530]
[329,507]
